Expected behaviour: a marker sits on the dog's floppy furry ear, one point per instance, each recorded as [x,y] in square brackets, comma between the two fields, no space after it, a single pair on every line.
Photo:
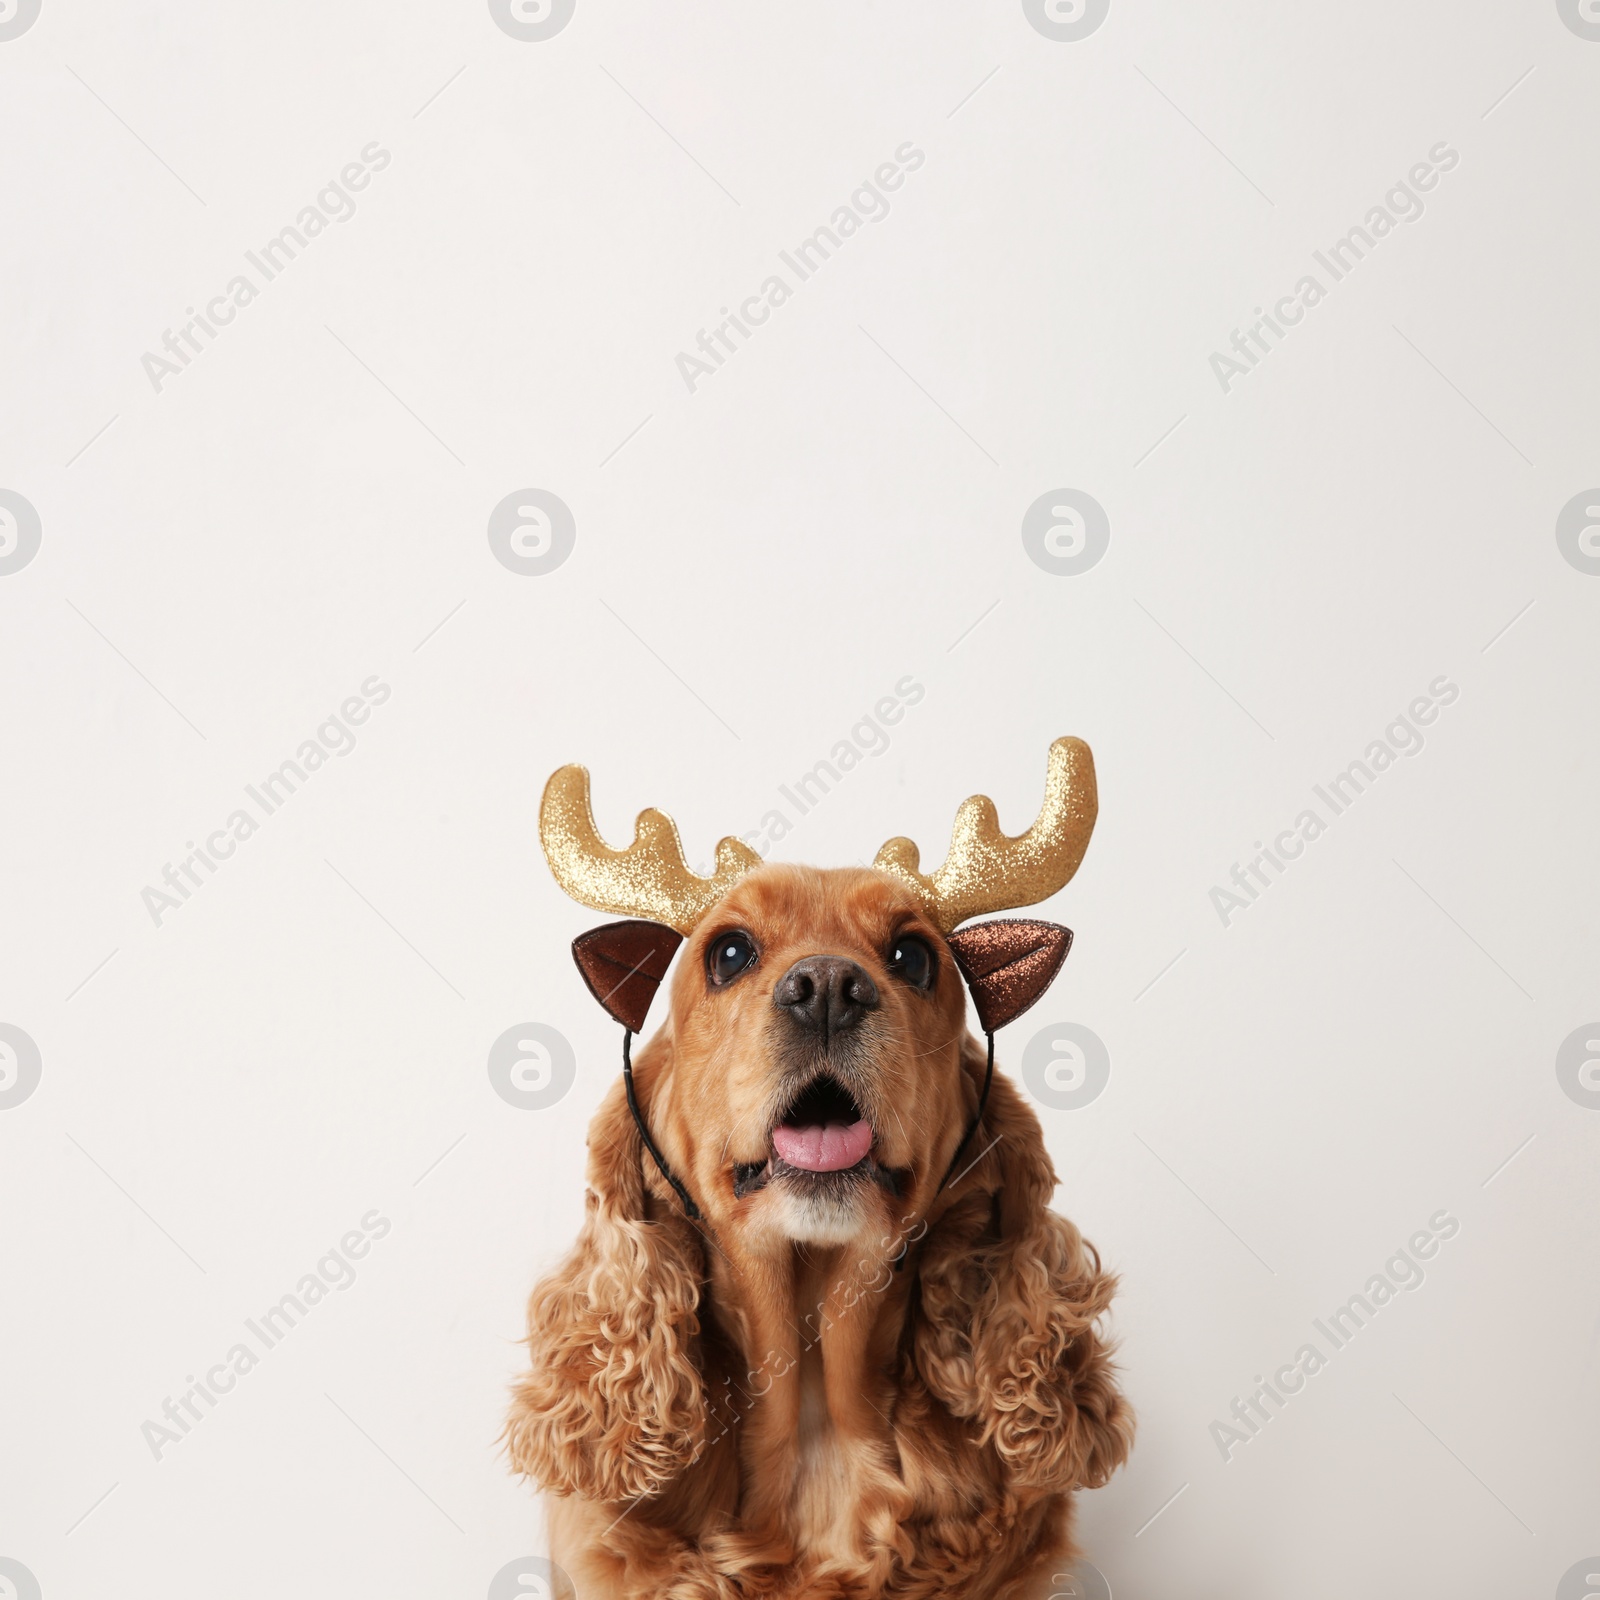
[623,964]
[613,1406]
[1010,1301]
[1008,964]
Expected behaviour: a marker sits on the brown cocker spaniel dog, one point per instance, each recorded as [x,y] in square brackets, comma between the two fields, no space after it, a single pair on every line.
[832,1373]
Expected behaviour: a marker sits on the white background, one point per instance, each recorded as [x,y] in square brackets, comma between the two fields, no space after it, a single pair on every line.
[1291,1095]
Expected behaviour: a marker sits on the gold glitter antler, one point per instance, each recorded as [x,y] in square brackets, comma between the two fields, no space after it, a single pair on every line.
[649,879]
[986,870]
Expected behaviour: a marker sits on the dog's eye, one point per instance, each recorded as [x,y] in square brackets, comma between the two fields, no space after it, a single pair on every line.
[728,956]
[911,960]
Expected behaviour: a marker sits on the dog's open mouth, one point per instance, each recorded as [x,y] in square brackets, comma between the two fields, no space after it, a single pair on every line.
[821,1138]
[823,1131]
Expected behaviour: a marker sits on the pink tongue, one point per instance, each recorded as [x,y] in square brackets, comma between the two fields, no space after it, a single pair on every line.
[823,1149]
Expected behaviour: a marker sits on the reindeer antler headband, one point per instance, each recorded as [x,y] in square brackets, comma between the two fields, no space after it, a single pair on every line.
[1008,964]
[984,871]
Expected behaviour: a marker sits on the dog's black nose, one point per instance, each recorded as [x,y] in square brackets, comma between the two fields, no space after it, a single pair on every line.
[826,993]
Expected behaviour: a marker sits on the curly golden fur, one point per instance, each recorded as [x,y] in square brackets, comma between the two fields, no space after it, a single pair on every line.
[766,1404]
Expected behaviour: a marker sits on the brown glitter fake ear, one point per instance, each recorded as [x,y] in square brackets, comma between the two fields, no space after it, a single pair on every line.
[1008,964]
[623,964]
